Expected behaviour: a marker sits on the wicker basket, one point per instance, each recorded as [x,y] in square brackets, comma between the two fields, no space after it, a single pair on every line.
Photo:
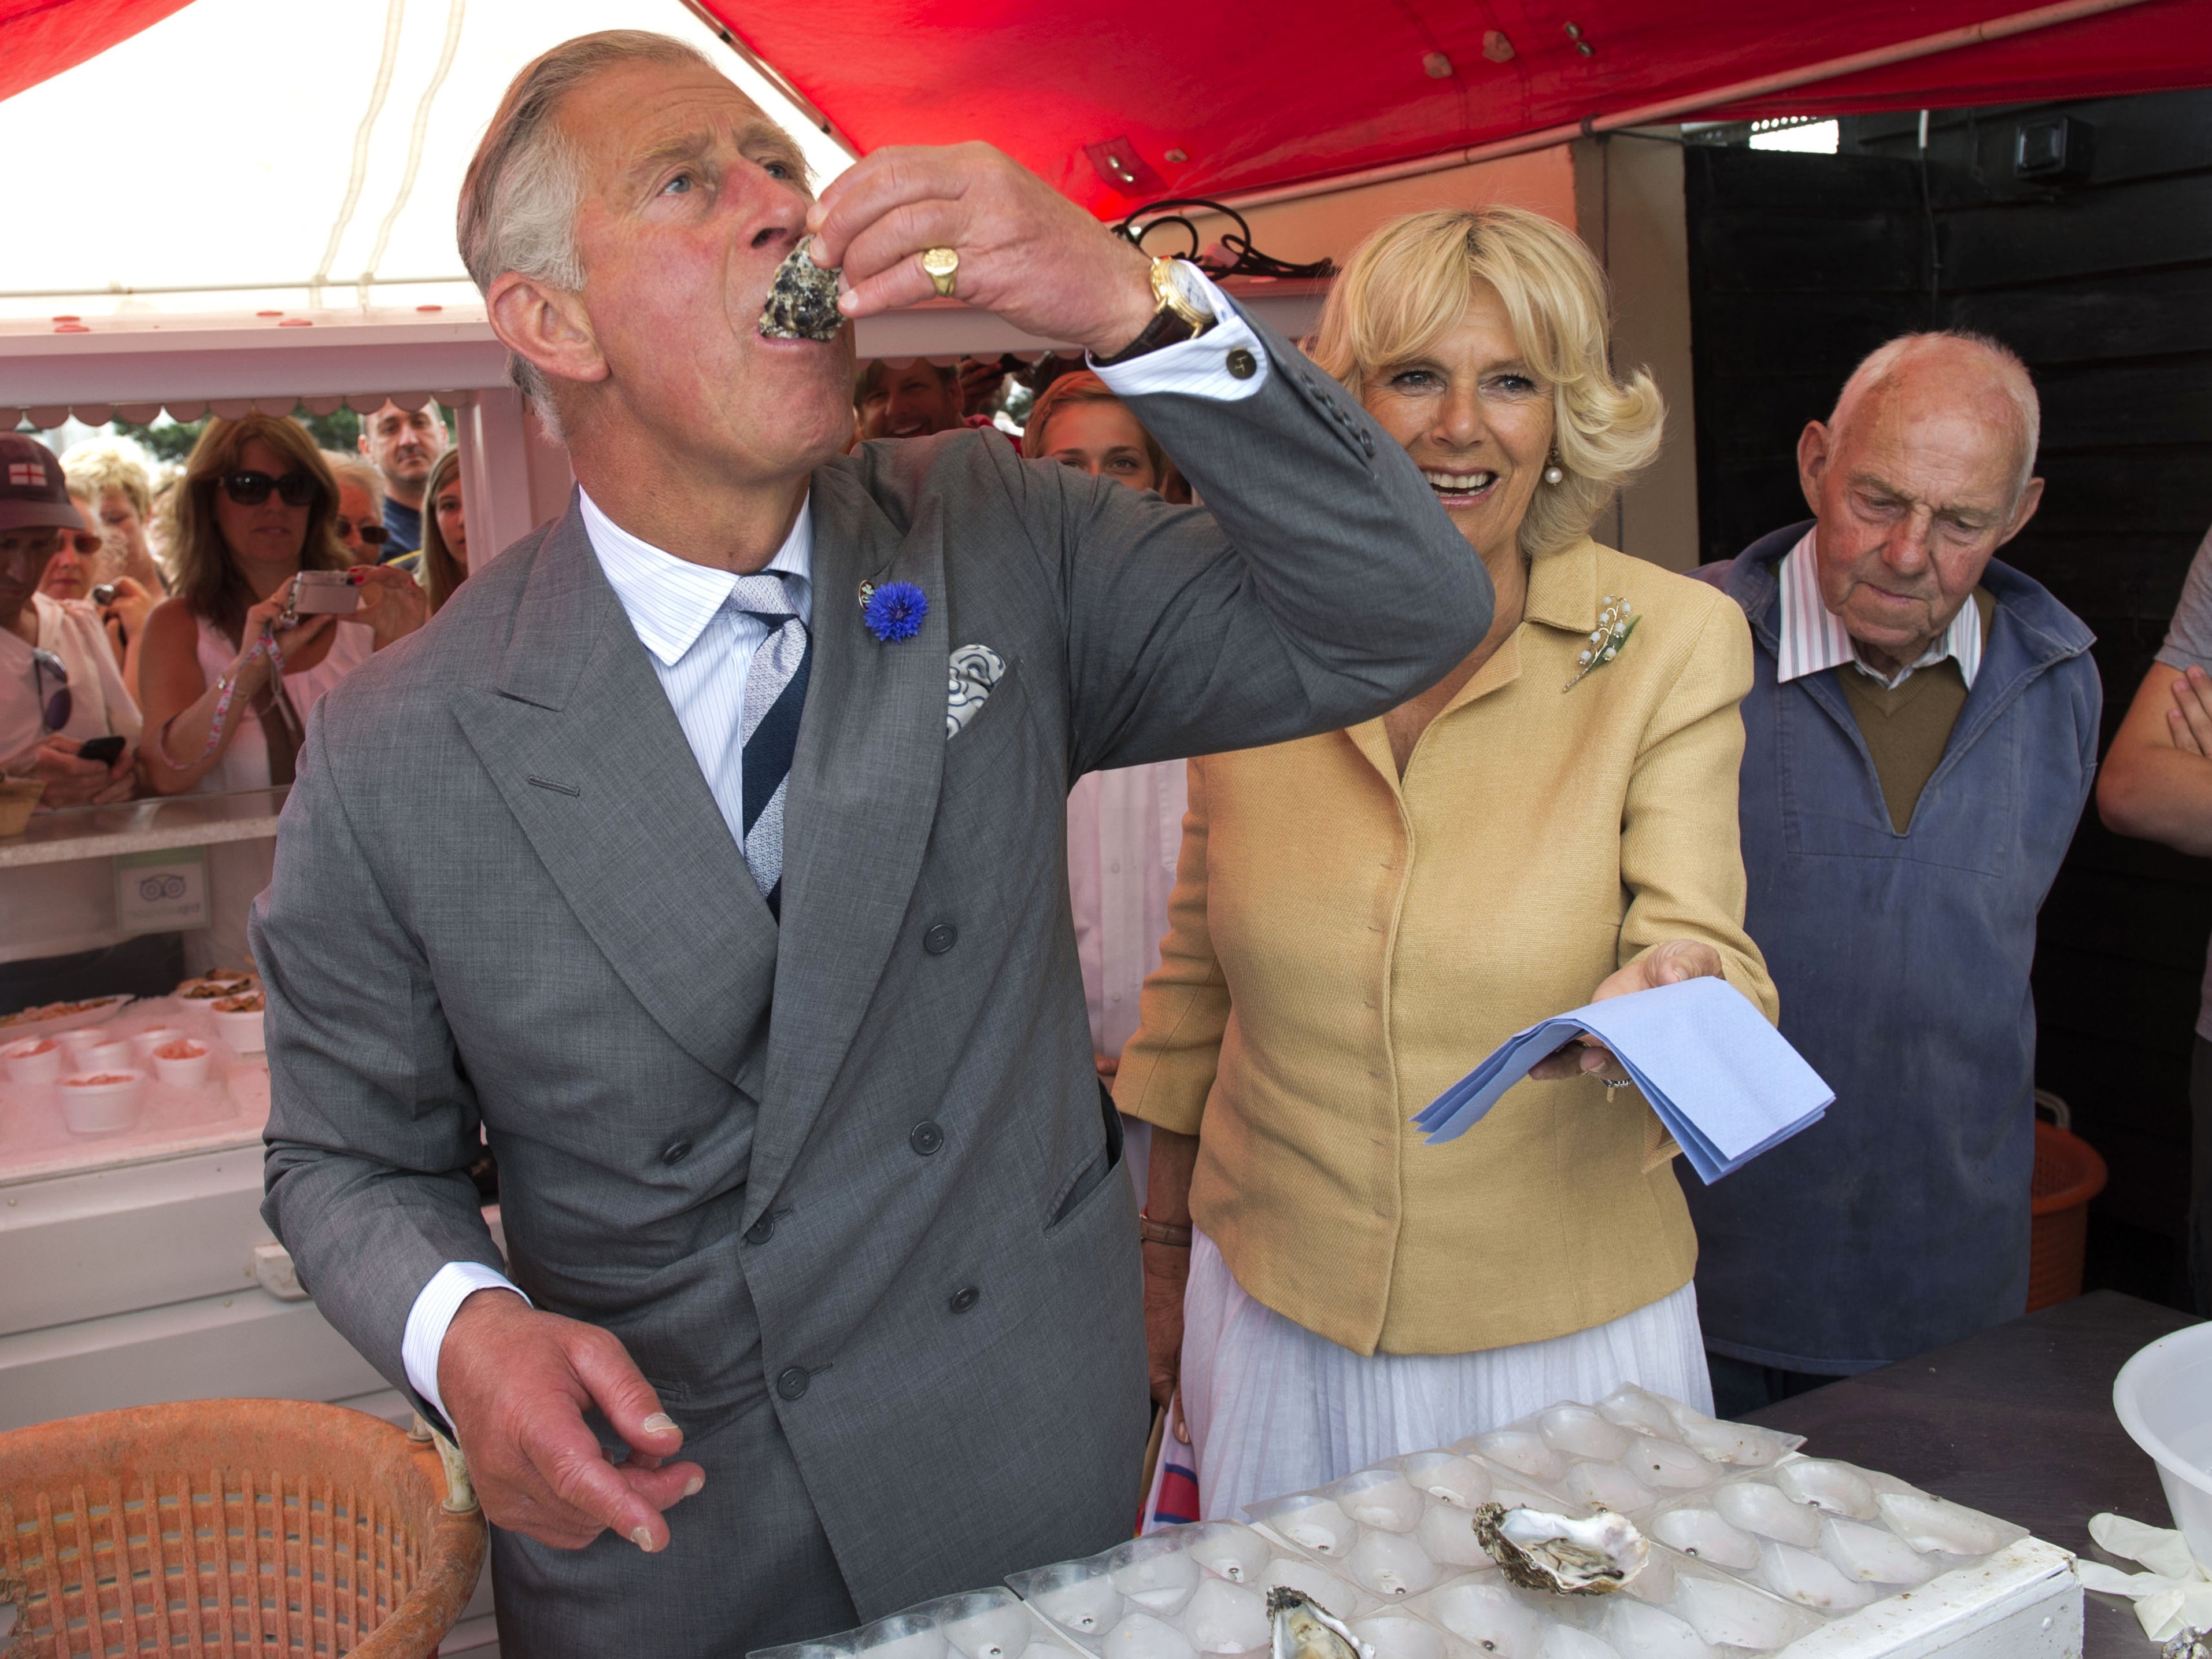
[2067,1175]
[222,1528]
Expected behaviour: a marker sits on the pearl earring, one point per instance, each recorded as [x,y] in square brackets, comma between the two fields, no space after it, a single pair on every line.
[1553,473]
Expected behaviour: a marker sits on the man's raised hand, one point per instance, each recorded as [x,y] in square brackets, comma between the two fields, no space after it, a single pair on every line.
[1026,251]
[516,1384]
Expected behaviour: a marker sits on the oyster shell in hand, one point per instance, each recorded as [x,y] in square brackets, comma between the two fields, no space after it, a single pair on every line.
[1558,1553]
[1303,1629]
[802,299]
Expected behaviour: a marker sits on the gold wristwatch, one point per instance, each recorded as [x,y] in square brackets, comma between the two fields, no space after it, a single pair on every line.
[1176,316]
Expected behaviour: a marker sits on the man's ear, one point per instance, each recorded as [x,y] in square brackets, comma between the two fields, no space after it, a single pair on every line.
[2031,497]
[547,327]
[1812,462]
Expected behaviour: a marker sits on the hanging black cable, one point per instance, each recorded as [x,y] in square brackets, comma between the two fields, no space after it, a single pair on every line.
[1243,260]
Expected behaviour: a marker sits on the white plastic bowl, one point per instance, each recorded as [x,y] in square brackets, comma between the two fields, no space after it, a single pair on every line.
[111,1056]
[153,1038]
[34,1060]
[242,1031]
[100,1109]
[2164,1398]
[76,1042]
[187,1072]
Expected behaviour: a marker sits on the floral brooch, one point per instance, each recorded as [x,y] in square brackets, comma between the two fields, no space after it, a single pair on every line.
[1614,624]
[893,611]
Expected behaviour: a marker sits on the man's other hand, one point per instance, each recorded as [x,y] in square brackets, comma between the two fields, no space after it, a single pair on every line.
[516,1384]
[1026,251]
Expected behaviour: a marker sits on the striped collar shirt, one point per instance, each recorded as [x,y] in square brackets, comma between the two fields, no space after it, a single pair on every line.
[701,648]
[1813,639]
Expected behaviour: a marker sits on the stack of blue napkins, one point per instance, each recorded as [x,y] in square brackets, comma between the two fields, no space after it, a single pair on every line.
[1723,1080]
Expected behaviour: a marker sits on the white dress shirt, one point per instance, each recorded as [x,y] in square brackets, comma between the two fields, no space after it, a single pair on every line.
[701,651]
[1813,639]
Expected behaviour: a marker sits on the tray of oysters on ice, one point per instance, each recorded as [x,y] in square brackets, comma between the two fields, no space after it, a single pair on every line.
[1636,1529]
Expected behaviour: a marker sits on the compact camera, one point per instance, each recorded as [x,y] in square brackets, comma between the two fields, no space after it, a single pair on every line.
[324,593]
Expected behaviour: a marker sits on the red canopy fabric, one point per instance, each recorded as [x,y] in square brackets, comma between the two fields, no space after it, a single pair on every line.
[39,39]
[1262,94]
[1249,96]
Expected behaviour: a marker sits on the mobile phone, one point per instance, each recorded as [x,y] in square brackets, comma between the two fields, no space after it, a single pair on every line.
[103,750]
[325,593]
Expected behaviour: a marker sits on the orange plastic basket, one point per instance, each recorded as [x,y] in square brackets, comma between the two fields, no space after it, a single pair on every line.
[2068,1173]
[222,1528]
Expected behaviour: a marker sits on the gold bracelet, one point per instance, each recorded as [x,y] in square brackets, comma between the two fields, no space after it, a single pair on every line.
[1162,1232]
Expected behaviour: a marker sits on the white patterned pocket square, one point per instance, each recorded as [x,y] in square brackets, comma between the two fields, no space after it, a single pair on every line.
[975,670]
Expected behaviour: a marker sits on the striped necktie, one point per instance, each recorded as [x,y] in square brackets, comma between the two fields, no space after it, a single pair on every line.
[775,693]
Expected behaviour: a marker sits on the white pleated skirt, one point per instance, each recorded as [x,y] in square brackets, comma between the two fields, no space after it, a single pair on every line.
[1273,1408]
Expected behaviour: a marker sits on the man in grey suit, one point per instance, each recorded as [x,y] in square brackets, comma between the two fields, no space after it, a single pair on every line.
[675,866]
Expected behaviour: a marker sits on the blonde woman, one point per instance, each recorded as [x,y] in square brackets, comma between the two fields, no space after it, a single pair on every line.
[1359,917]
[444,561]
[229,671]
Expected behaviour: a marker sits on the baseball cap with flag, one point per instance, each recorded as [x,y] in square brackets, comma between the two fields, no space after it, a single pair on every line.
[33,491]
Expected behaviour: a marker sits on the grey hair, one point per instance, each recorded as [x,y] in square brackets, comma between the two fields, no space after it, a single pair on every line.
[2012,377]
[518,202]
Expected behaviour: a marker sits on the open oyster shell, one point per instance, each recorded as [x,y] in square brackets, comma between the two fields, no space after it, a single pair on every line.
[1559,1554]
[1303,1629]
[802,300]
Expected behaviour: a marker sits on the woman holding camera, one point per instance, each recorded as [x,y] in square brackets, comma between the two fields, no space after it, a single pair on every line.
[234,661]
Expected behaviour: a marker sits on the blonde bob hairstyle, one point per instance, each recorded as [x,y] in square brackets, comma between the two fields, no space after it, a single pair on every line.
[1408,285]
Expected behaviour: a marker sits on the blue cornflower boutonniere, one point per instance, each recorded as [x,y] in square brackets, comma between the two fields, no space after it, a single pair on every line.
[1614,624]
[894,611]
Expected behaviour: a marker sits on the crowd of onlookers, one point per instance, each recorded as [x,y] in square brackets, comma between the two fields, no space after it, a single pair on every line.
[1838,770]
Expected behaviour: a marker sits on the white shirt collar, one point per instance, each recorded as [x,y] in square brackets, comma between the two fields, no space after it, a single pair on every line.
[1813,639]
[669,600]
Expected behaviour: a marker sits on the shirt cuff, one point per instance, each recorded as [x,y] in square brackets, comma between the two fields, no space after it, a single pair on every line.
[434,1310]
[1197,368]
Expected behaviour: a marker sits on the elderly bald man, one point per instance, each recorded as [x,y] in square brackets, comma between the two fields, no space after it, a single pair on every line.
[1919,743]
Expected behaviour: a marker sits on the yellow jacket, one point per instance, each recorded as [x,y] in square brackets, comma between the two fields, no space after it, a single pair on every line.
[1342,946]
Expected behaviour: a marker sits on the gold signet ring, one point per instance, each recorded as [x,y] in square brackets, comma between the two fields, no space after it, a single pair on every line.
[942,265]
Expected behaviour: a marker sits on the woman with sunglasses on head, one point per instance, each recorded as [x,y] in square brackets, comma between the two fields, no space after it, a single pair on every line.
[232,666]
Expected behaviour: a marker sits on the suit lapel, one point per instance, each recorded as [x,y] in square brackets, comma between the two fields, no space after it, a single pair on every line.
[861,802]
[581,743]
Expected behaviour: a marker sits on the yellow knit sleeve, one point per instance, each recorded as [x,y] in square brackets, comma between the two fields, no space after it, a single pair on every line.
[1681,858]
[1167,1068]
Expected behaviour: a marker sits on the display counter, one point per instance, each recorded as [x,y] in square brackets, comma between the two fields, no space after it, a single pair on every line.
[137,1269]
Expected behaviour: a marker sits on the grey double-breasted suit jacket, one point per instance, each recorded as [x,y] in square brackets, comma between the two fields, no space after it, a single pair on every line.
[847,1177]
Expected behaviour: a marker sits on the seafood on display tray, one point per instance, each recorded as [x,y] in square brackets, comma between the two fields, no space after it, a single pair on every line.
[1631,1528]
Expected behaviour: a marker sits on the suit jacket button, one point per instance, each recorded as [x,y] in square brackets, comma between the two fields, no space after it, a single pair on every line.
[761,1230]
[926,1138]
[938,939]
[792,1381]
[676,1151]
[1240,363]
[964,1298]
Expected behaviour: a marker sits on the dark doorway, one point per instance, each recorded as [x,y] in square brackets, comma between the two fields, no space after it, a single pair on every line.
[2097,271]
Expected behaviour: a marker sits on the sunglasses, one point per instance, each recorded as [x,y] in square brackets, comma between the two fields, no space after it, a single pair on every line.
[85,542]
[54,710]
[250,489]
[371,533]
